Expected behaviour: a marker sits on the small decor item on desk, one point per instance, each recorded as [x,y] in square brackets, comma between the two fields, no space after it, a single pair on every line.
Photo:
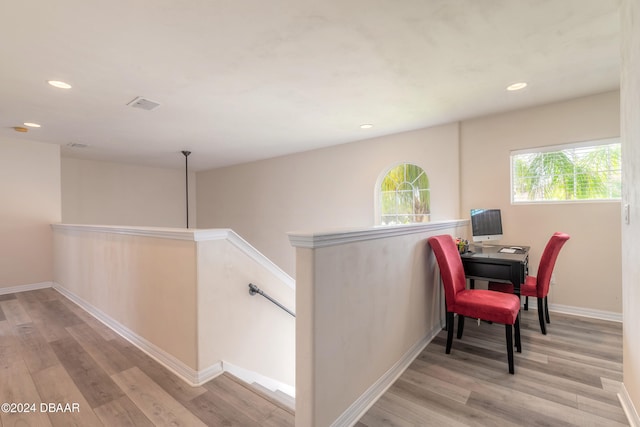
[463,245]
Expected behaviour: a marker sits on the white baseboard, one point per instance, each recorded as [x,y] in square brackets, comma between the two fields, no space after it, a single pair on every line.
[377,389]
[25,288]
[253,377]
[578,311]
[187,374]
[627,406]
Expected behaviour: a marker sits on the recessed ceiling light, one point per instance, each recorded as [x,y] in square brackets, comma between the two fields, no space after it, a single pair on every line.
[31,125]
[59,84]
[517,86]
[366,126]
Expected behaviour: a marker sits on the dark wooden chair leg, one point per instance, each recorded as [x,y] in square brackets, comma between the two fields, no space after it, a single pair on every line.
[541,316]
[546,309]
[449,331]
[460,326]
[509,333]
[526,303]
[516,326]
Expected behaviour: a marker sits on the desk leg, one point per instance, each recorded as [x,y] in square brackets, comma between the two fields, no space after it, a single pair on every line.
[517,328]
[516,291]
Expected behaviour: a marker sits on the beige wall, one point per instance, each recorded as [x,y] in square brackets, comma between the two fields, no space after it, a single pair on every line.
[630,90]
[121,194]
[323,189]
[367,303]
[182,295]
[146,284]
[30,194]
[587,274]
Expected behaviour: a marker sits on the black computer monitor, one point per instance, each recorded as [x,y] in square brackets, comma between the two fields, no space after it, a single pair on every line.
[486,225]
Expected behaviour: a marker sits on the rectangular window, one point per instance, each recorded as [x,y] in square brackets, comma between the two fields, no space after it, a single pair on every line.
[566,173]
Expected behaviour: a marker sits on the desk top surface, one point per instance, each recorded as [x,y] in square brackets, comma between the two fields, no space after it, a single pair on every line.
[494,251]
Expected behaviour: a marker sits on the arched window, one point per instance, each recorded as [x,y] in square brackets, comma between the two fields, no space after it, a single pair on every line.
[403,195]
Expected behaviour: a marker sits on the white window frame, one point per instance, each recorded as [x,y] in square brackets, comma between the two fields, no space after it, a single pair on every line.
[555,148]
[377,195]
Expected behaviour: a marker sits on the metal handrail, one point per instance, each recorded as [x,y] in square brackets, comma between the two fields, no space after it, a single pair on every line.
[253,289]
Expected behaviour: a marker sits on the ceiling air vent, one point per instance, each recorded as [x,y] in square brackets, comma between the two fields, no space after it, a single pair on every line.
[77,145]
[144,104]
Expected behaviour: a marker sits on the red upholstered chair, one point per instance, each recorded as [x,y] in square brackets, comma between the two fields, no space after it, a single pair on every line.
[538,286]
[476,303]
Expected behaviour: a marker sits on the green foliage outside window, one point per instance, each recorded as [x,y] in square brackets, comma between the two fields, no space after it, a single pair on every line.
[404,195]
[572,174]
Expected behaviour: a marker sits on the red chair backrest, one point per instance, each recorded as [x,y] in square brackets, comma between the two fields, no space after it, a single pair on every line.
[451,270]
[548,261]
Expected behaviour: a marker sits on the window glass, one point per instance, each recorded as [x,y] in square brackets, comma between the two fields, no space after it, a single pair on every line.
[404,195]
[575,172]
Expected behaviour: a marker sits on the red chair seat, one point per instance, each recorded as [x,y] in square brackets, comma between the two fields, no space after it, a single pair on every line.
[486,305]
[538,286]
[527,289]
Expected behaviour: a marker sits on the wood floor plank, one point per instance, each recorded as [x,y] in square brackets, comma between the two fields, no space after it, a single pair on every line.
[105,332]
[261,410]
[36,351]
[414,413]
[17,387]
[51,331]
[538,378]
[528,410]
[445,407]
[610,411]
[568,377]
[170,382]
[218,412]
[59,313]
[41,295]
[14,312]
[457,392]
[103,352]
[153,401]
[378,417]
[122,413]
[56,386]
[94,383]
[10,350]
[69,357]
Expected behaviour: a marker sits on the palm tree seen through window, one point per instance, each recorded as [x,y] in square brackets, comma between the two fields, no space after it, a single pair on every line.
[404,195]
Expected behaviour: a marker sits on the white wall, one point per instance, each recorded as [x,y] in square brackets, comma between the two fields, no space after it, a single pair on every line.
[630,90]
[323,189]
[30,201]
[108,193]
[243,330]
[588,271]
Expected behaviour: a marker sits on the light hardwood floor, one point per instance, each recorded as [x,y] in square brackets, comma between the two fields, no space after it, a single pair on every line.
[569,377]
[53,352]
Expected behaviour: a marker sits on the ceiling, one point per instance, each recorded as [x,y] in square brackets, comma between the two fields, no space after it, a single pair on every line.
[239,81]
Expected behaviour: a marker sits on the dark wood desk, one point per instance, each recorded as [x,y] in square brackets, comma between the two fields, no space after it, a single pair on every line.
[488,263]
